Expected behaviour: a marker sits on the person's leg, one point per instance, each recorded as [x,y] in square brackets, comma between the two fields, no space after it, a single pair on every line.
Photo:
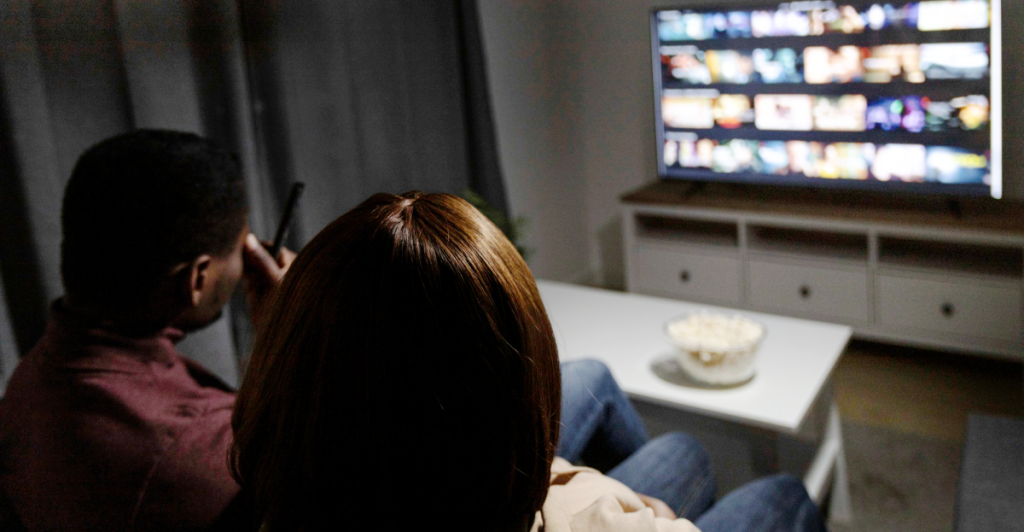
[675,468]
[599,425]
[773,504]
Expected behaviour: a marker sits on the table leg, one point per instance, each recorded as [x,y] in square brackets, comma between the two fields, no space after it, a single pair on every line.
[840,506]
[830,465]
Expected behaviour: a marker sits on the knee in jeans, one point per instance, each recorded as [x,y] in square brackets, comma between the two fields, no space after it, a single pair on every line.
[784,487]
[592,372]
[680,442]
[787,482]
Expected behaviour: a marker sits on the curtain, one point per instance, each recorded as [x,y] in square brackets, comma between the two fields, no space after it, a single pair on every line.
[8,344]
[350,97]
[360,97]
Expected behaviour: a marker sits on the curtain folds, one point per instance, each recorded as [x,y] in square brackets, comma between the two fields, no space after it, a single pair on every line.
[351,97]
[362,97]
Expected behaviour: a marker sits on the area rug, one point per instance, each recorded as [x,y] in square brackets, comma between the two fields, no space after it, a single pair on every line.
[899,482]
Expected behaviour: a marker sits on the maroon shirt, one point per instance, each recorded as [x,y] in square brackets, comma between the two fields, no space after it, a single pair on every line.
[105,431]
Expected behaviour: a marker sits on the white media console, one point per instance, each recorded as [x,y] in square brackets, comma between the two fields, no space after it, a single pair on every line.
[916,271]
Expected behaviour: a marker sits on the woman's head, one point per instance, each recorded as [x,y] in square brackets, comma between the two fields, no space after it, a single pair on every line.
[409,368]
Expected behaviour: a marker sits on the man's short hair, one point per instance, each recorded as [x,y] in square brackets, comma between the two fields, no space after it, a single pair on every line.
[139,203]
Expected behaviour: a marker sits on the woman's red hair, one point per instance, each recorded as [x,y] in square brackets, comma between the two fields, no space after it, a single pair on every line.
[408,378]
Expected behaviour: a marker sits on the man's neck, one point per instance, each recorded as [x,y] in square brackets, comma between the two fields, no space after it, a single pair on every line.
[131,322]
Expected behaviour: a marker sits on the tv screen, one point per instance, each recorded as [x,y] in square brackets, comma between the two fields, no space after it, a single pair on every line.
[896,96]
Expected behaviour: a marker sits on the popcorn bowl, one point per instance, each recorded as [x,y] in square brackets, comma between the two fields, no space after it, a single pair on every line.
[714,348]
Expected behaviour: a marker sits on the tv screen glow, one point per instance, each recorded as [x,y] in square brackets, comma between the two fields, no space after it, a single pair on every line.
[895,96]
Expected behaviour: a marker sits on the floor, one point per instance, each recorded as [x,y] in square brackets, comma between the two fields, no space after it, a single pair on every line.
[899,482]
[904,414]
[924,393]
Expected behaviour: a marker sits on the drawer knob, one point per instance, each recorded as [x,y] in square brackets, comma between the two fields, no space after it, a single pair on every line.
[684,276]
[805,292]
[948,310]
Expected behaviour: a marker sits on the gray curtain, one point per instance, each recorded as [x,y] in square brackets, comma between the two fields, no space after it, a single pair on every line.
[8,344]
[351,97]
[360,97]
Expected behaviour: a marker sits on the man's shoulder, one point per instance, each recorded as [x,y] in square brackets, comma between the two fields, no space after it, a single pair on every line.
[205,377]
[108,389]
[100,433]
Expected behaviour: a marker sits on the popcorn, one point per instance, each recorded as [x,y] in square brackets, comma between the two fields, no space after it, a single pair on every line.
[715,332]
[715,348]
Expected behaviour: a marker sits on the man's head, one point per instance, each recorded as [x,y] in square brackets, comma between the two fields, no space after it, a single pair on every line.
[153,224]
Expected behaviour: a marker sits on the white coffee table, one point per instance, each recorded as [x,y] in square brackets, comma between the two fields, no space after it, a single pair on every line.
[794,364]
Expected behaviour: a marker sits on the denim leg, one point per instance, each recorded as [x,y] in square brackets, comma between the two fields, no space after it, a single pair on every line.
[675,468]
[599,424]
[774,504]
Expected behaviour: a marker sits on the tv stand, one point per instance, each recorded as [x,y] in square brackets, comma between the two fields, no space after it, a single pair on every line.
[694,188]
[926,271]
[955,208]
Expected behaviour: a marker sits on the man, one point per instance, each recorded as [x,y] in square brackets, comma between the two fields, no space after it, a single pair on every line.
[105,426]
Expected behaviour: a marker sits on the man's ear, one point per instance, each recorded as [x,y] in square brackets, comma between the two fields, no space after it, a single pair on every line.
[198,281]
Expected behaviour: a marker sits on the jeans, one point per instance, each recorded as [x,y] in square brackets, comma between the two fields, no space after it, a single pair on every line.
[601,428]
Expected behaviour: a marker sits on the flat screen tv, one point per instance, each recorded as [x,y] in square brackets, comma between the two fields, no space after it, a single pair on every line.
[894,96]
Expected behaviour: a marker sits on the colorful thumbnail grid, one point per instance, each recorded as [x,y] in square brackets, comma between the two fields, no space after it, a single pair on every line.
[707,108]
[816,65]
[800,19]
[911,163]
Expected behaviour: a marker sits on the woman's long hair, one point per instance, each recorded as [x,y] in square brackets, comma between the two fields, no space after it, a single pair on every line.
[408,377]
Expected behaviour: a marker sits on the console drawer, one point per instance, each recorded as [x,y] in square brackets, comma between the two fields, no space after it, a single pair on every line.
[810,290]
[960,307]
[685,275]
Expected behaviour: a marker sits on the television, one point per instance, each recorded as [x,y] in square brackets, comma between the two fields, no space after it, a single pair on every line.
[898,96]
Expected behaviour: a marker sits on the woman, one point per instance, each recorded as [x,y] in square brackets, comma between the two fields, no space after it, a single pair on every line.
[411,381]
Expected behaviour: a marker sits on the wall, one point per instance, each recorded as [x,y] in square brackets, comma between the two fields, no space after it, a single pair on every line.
[535,114]
[592,58]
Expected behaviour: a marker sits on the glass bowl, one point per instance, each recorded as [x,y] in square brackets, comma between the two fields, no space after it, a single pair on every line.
[715,348]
